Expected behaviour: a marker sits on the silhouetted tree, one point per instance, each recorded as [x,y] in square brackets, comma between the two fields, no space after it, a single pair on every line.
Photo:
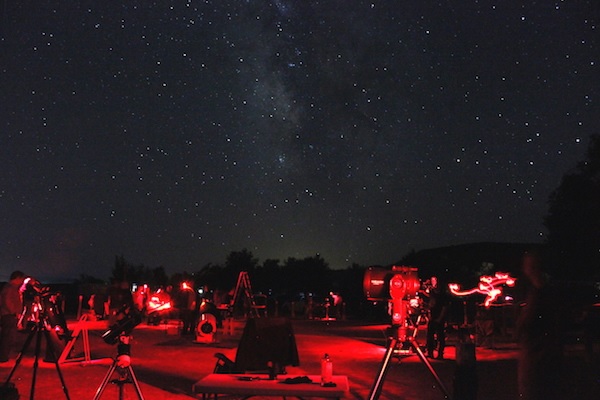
[238,261]
[242,260]
[120,269]
[158,276]
[269,278]
[573,219]
[125,271]
[310,274]
[211,275]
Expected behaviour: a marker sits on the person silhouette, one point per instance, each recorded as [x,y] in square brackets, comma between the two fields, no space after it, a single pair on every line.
[539,336]
[11,305]
[438,312]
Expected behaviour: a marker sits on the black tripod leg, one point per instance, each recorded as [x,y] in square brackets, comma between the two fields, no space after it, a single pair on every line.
[135,383]
[36,360]
[419,352]
[20,356]
[50,344]
[106,380]
[378,384]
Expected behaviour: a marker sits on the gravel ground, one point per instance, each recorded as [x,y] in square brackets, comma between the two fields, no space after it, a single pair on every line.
[166,364]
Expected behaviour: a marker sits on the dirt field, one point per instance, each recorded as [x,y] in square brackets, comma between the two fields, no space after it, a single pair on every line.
[167,364]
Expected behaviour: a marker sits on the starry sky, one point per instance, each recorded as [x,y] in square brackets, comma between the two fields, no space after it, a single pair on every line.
[176,132]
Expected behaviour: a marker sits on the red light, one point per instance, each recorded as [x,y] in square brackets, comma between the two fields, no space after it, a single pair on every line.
[156,304]
[491,286]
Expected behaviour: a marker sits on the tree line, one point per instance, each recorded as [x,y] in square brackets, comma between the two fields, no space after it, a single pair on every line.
[572,250]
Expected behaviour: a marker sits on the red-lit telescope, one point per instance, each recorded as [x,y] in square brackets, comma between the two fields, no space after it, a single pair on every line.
[399,282]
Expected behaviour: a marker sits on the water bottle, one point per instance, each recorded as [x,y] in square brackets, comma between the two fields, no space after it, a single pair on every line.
[326,370]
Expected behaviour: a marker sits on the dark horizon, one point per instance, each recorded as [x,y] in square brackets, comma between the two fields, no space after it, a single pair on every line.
[106,276]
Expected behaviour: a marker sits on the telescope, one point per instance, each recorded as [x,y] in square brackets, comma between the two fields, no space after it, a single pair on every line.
[398,286]
[128,317]
[42,305]
[42,316]
[399,283]
[34,287]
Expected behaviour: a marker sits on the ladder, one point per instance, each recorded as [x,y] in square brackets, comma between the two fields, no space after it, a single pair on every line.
[243,287]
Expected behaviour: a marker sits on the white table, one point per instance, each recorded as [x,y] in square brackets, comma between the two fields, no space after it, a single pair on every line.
[249,385]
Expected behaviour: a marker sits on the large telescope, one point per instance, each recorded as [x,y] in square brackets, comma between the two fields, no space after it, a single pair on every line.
[128,317]
[399,282]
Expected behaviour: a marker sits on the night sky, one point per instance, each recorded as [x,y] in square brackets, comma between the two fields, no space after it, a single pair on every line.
[175,132]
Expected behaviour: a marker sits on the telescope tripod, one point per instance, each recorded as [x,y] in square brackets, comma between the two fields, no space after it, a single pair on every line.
[122,365]
[398,337]
[37,330]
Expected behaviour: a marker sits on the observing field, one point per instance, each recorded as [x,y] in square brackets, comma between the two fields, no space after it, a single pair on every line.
[167,364]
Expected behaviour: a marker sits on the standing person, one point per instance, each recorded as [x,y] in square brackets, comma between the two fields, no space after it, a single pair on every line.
[539,335]
[337,304]
[140,298]
[11,305]
[119,296]
[438,312]
[189,308]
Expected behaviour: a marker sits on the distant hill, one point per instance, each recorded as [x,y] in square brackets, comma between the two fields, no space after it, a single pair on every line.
[467,262]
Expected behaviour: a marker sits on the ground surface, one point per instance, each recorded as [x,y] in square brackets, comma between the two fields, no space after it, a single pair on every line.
[167,364]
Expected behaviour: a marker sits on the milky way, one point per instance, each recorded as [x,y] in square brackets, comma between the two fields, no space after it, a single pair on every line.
[175,132]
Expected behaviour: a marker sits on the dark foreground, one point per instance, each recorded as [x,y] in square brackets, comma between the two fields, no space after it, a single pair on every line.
[167,365]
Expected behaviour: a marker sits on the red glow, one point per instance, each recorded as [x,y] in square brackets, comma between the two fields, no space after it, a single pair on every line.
[156,304]
[491,286]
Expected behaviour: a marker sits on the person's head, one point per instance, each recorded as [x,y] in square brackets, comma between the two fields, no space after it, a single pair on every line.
[17,277]
[434,281]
